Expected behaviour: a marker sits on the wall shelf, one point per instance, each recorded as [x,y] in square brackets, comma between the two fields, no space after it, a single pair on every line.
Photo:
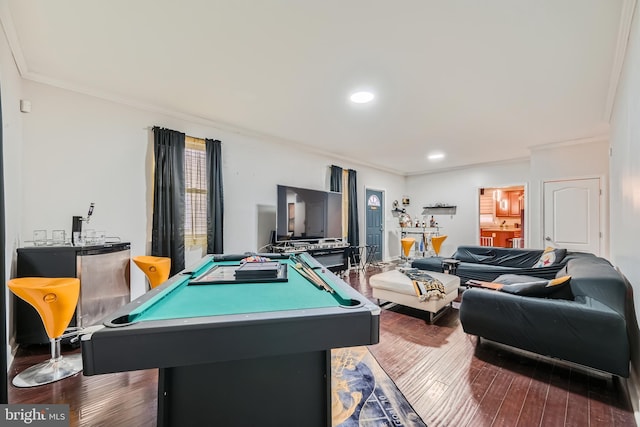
[439,210]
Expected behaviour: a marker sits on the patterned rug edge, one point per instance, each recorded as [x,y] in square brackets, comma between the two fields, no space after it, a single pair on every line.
[363,394]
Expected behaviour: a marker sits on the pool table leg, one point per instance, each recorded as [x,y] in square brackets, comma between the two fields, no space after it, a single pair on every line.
[290,389]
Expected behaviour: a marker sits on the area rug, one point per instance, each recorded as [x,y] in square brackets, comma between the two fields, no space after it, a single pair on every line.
[363,395]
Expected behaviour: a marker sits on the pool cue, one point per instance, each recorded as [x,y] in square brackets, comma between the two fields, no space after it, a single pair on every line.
[325,285]
[304,274]
[312,276]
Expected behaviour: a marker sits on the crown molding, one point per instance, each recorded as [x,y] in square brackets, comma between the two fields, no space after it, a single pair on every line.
[14,45]
[238,130]
[626,18]
[12,37]
[624,32]
[204,121]
[471,165]
[570,142]
[548,146]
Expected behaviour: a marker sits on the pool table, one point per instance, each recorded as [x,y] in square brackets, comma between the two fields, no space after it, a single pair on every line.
[236,353]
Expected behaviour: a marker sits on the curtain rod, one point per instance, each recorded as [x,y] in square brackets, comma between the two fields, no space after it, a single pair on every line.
[197,137]
[344,169]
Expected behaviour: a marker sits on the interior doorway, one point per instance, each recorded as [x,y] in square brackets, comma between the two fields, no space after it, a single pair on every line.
[502,216]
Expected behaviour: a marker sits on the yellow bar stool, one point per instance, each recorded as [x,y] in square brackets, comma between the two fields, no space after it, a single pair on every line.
[156,268]
[55,300]
[407,244]
[436,242]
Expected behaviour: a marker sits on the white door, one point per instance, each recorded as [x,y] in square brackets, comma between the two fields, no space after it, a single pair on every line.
[572,214]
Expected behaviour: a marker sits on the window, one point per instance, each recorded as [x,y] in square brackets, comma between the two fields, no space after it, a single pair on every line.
[195,171]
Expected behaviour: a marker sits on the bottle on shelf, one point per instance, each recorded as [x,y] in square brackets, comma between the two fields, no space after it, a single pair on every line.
[432,222]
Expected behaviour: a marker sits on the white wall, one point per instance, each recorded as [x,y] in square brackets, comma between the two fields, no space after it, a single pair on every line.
[625,169]
[11,88]
[563,162]
[80,149]
[460,187]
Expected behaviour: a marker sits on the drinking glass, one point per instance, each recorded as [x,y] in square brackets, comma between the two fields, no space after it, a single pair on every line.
[89,237]
[40,237]
[58,236]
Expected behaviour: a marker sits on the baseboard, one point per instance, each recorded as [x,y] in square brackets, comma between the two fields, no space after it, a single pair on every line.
[632,386]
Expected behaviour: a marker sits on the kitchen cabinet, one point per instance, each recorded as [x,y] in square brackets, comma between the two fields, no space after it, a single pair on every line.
[514,203]
[510,204]
[502,206]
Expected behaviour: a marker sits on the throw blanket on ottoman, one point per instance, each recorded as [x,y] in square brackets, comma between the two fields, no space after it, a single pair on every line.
[425,285]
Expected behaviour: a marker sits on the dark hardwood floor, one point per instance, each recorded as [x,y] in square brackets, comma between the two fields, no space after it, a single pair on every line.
[448,378]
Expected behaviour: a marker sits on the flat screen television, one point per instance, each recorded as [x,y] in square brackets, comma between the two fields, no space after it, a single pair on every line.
[303,214]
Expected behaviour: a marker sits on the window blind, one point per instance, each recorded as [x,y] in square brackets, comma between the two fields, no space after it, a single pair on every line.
[195,227]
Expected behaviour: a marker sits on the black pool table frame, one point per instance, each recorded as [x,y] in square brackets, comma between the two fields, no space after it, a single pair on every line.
[253,369]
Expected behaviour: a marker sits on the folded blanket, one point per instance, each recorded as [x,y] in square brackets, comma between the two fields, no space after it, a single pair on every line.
[426,286]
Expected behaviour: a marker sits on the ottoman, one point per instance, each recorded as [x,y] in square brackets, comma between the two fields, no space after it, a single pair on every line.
[394,286]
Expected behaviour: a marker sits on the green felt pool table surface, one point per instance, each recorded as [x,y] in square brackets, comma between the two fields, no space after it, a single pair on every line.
[181,299]
[236,348]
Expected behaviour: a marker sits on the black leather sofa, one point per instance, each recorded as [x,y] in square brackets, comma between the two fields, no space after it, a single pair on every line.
[486,263]
[585,324]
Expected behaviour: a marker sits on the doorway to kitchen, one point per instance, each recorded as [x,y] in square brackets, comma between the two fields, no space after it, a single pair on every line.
[502,216]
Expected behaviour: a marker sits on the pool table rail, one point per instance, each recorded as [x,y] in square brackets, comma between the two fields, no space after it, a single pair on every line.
[126,345]
[161,344]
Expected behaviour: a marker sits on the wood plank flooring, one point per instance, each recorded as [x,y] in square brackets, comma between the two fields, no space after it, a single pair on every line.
[448,378]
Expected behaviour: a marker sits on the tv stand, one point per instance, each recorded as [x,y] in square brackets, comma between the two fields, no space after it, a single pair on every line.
[331,253]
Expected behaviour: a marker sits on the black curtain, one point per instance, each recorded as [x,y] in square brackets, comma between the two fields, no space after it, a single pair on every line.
[4,393]
[354,230]
[335,183]
[167,237]
[215,198]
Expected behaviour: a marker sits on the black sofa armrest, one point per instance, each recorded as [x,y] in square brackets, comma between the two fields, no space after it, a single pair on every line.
[489,273]
[504,257]
[593,336]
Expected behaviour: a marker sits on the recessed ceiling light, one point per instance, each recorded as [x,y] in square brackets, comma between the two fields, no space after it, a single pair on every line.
[435,156]
[362,97]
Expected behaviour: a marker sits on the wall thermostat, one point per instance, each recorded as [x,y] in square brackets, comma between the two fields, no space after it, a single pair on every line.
[25,106]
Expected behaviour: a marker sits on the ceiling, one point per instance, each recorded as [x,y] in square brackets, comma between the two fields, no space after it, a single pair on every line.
[481,81]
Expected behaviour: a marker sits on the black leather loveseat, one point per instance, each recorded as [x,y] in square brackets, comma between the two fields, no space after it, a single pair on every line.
[585,324]
[486,263]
